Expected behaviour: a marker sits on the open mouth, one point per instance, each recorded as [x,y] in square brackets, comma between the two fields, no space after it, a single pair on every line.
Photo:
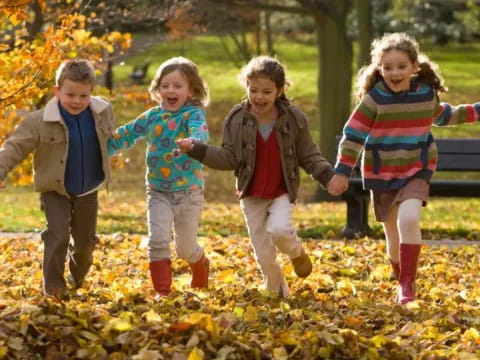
[260,106]
[396,81]
[172,100]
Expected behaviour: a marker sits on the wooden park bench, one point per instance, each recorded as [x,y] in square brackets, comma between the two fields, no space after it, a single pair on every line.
[139,73]
[454,156]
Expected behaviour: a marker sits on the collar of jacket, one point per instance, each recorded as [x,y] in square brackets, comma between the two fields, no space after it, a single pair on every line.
[52,112]
[280,123]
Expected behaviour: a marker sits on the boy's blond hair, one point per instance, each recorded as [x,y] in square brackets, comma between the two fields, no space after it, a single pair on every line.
[80,70]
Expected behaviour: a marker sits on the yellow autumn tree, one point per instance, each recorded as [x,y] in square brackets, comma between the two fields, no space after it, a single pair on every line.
[28,63]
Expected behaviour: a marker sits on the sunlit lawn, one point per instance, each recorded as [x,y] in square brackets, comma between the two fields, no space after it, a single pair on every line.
[123,209]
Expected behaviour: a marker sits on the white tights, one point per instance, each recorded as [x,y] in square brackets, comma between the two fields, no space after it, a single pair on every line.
[402,226]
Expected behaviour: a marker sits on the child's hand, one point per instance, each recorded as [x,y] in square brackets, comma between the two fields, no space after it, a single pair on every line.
[2,185]
[337,185]
[185,145]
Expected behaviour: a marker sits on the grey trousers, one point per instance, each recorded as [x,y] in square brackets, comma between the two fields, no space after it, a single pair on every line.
[75,216]
[180,209]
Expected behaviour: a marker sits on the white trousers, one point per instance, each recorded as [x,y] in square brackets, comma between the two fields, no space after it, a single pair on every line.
[269,223]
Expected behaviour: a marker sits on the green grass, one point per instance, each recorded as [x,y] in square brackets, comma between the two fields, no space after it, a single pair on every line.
[124,211]
[459,64]
[221,74]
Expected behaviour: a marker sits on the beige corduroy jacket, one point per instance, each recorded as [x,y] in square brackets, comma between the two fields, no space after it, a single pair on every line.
[44,133]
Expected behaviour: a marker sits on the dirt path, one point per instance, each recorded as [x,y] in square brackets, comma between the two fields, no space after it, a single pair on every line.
[441,242]
[139,45]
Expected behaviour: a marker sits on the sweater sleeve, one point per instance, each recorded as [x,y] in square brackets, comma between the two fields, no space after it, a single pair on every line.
[355,133]
[216,157]
[448,115]
[197,126]
[127,135]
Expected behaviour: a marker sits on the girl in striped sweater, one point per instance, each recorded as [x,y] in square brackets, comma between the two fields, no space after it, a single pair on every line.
[398,104]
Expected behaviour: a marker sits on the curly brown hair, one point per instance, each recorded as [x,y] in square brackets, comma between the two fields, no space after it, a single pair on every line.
[265,66]
[369,75]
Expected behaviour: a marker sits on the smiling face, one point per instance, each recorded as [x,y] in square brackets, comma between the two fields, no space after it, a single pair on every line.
[74,95]
[397,69]
[174,90]
[262,93]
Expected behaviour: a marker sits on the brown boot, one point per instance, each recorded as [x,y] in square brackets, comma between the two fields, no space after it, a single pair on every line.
[161,274]
[408,272]
[302,265]
[56,293]
[395,270]
[200,273]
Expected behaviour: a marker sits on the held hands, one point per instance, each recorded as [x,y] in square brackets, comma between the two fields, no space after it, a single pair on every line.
[337,185]
[185,145]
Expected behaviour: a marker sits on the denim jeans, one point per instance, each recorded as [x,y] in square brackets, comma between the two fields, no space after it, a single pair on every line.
[180,209]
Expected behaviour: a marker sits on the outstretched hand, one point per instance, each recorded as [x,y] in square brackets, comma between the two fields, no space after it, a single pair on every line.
[185,145]
[337,185]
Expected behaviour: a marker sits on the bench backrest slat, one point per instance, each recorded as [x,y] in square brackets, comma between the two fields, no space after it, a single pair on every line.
[458,154]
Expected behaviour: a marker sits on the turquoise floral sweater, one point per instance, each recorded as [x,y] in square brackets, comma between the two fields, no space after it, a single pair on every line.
[168,169]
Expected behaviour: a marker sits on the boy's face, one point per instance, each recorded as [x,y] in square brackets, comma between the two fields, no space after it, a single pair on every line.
[74,95]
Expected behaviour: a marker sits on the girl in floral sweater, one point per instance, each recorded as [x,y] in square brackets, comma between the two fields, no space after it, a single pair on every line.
[174,181]
[398,104]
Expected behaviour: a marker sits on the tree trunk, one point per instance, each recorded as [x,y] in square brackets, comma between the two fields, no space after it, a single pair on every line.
[244,41]
[365,30]
[35,26]
[258,33]
[268,33]
[334,76]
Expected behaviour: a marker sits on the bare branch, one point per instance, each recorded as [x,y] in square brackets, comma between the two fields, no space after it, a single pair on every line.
[20,89]
[262,6]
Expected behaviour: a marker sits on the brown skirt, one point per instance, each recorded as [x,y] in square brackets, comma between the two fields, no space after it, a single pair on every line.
[383,201]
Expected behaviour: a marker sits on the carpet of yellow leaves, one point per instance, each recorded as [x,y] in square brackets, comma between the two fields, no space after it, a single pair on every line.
[344,310]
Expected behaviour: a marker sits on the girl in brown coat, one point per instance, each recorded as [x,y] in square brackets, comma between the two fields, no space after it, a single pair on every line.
[266,139]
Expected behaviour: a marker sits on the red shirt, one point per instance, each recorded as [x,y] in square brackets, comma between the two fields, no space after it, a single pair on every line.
[267,181]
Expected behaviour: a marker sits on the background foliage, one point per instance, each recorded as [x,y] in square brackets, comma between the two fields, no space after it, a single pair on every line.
[344,310]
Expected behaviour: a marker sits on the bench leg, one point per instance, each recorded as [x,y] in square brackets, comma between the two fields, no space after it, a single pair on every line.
[357,217]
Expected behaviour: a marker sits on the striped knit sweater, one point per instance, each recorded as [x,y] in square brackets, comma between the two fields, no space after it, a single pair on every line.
[393,130]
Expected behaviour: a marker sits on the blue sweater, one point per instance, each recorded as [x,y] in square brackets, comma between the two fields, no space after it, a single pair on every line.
[83,171]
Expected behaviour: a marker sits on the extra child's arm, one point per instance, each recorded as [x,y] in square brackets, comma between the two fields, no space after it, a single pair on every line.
[24,139]
[197,126]
[127,135]
[216,157]
[355,133]
[448,115]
